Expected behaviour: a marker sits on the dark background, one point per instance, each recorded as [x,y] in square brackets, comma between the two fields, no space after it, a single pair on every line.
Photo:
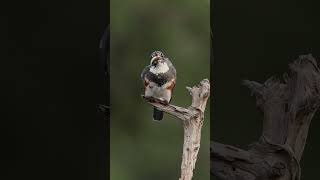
[51,80]
[255,40]
[51,83]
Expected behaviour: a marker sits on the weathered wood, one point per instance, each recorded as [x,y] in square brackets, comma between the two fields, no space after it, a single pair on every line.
[192,119]
[288,106]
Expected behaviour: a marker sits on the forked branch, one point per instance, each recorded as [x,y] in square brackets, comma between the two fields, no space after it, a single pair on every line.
[192,119]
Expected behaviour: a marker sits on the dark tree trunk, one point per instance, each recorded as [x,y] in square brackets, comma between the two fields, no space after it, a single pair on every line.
[288,106]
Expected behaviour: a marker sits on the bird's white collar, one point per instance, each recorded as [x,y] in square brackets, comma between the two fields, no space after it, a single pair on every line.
[160,68]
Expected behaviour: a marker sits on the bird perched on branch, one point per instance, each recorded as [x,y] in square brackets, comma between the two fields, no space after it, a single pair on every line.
[159,79]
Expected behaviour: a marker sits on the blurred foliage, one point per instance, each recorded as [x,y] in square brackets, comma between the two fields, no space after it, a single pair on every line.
[142,149]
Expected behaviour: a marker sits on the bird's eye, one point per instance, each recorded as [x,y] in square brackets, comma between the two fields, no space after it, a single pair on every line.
[156,53]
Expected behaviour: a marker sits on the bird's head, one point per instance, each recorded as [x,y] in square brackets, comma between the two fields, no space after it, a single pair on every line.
[156,58]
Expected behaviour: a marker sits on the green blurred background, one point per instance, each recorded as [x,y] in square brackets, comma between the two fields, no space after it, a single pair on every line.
[142,149]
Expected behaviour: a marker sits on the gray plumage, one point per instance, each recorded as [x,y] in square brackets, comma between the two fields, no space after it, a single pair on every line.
[159,80]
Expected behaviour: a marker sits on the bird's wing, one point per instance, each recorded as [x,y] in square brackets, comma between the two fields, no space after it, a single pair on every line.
[172,83]
[173,69]
[144,71]
[143,76]
[174,73]
[171,86]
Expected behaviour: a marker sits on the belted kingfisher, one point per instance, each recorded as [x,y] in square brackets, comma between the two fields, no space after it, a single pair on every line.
[159,79]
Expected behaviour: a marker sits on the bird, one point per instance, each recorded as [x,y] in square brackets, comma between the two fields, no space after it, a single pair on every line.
[159,79]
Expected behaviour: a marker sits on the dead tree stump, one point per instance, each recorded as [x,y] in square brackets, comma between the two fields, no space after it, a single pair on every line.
[288,106]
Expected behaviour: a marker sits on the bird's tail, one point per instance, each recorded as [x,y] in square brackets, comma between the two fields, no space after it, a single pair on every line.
[157,114]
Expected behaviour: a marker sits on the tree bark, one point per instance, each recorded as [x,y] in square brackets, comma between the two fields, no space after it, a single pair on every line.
[192,120]
[288,106]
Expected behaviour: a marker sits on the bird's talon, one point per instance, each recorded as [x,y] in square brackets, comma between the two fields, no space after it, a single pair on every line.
[163,101]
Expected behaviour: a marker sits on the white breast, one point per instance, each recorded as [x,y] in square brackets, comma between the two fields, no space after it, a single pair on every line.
[162,93]
[160,68]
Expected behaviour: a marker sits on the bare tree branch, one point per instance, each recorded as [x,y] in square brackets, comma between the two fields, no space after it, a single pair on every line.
[288,106]
[192,119]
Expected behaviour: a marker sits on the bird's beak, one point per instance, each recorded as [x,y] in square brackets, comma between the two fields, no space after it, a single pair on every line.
[155,60]
[156,57]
